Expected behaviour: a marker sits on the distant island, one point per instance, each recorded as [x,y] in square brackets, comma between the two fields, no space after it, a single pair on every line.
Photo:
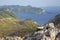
[22,9]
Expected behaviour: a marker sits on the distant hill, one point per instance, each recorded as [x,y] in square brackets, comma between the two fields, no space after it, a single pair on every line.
[56,19]
[22,9]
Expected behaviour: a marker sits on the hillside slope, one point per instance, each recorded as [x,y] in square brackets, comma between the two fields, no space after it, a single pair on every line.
[10,24]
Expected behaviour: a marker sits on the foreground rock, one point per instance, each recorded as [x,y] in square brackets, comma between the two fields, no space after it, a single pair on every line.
[49,32]
[11,38]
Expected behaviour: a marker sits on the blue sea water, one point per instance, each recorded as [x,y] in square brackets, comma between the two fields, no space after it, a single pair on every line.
[40,18]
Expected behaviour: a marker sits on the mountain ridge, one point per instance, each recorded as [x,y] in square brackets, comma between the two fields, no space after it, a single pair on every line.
[23,9]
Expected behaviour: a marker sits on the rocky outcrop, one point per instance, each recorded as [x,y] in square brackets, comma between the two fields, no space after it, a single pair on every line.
[11,38]
[49,32]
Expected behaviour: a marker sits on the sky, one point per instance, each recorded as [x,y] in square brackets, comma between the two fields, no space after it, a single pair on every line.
[35,3]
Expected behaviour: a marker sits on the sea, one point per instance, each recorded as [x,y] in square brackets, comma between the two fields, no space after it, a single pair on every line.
[42,18]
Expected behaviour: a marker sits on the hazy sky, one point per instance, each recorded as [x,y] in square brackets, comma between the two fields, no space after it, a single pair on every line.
[36,3]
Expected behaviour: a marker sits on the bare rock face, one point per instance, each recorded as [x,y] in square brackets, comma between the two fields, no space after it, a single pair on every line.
[11,38]
[35,36]
[49,32]
[53,31]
